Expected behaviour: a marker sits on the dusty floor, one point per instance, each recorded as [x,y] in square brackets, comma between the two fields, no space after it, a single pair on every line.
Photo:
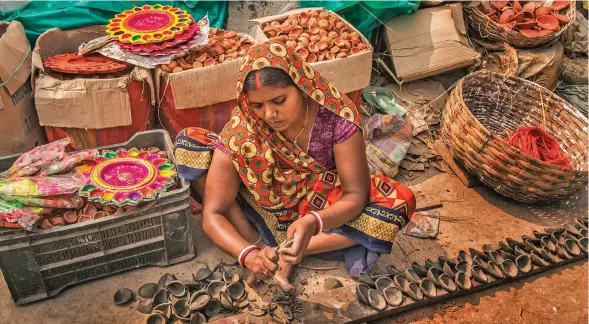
[470,218]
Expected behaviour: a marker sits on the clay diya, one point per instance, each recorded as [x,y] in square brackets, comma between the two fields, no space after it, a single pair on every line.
[548,22]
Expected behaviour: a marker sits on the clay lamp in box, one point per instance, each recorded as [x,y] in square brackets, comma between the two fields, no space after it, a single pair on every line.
[126,177]
[549,22]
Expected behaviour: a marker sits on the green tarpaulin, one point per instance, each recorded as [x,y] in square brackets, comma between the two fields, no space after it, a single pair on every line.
[39,16]
[365,15]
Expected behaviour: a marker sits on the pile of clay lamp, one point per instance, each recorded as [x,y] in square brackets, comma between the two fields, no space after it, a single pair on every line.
[223,46]
[316,36]
[530,18]
[90,211]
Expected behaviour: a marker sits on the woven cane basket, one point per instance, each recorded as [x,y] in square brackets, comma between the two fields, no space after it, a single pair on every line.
[484,106]
[490,30]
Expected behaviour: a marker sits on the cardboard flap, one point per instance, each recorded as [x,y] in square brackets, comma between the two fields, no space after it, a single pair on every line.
[15,55]
[210,85]
[429,42]
[83,103]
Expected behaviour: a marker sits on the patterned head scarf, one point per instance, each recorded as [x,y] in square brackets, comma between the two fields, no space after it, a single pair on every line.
[277,172]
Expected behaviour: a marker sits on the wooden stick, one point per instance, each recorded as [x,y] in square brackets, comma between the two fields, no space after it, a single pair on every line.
[467,179]
[429,206]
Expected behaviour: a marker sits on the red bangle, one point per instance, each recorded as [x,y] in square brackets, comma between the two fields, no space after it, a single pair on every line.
[318,221]
[244,254]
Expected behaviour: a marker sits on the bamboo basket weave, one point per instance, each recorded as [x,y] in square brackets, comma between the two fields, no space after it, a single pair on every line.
[484,106]
[493,31]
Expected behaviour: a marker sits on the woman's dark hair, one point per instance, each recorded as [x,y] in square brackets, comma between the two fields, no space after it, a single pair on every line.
[267,76]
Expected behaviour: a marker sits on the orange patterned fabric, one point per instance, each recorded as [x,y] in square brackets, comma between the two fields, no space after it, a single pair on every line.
[276,171]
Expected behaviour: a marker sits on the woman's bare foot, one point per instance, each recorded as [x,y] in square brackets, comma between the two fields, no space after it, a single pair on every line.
[283,275]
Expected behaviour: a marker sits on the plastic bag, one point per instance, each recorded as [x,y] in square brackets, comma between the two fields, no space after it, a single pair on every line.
[387,139]
[15,215]
[42,186]
[68,163]
[34,160]
[62,201]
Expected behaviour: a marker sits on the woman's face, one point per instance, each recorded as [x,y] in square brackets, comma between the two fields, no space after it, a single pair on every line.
[280,107]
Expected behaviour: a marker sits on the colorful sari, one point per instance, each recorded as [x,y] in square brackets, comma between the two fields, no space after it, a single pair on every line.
[281,182]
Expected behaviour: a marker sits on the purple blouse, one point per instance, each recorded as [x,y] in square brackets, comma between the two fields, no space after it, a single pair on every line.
[328,129]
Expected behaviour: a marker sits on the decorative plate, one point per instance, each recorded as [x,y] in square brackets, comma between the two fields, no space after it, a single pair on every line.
[180,38]
[148,24]
[84,64]
[126,177]
[171,50]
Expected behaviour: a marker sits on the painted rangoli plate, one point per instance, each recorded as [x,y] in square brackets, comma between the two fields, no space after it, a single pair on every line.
[148,24]
[126,177]
[186,36]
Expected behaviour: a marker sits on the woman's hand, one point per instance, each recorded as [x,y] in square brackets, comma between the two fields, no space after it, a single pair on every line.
[263,263]
[301,232]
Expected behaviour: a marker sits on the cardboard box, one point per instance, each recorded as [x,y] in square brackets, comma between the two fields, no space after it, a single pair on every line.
[203,86]
[19,126]
[428,42]
[347,74]
[82,103]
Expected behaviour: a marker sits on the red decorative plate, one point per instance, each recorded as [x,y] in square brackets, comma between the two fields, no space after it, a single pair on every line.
[148,24]
[84,64]
[171,50]
[180,38]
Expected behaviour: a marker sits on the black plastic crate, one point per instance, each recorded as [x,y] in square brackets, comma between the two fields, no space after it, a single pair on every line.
[38,265]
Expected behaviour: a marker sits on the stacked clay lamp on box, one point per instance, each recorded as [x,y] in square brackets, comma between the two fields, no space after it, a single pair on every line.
[316,36]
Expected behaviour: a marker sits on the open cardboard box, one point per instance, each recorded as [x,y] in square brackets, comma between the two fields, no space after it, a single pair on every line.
[203,86]
[428,42]
[19,126]
[347,74]
[82,102]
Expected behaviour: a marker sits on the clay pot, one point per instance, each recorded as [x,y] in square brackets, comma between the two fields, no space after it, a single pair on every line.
[306,35]
[348,45]
[329,55]
[334,49]
[209,62]
[545,32]
[303,53]
[314,30]
[304,40]
[314,48]
[323,32]
[321,56]
[221,58]
[340,25]
[526,25]
[509,25]
[100,215]
[344,50]
[542,11]
[322,46]
[327,40]
[506,16]
[339,42]
[529,32]
[291,43]
[315,38]
[341,55]
[499,3]
[312,58]
[46,224]
[517,6]
[345,36]
[196,65]
[354,36]
[71,217]
[271,33]
[562,18]
[323,24]
[295,32]
[266,28]
[323,14]
[355,50]
[313,22]
[548,22]
[559,4]
[361,46]
[518,18]
[332,34]
[529,7]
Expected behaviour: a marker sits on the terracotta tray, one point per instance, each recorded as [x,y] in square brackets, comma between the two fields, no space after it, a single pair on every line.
[84,64]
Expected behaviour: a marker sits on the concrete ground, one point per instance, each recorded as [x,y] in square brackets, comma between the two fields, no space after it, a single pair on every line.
[470,218]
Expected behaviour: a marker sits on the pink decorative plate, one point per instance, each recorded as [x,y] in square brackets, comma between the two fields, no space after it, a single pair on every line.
[144,48]
[148,24]
[126,177]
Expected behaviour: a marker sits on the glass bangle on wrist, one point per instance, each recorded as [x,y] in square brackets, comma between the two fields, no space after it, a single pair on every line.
[243,254]
[318,220]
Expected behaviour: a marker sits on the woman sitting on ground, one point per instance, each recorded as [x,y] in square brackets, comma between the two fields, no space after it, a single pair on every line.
[291,165]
